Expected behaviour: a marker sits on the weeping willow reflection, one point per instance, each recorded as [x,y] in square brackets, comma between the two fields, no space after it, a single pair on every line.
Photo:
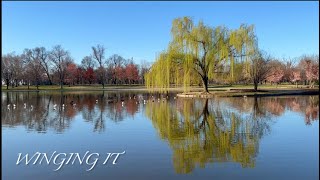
[221,130]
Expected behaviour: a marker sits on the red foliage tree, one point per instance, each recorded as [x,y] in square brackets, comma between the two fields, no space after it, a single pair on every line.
[131,73]
[119,74]
[90,76]
[71,73]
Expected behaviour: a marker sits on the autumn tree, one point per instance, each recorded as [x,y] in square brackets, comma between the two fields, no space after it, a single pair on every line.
[131,72]
[198,51]
[71,73]
[116,65]
[89,75]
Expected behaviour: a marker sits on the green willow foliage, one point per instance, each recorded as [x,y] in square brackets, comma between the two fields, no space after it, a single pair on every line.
[199,133]
[197,53]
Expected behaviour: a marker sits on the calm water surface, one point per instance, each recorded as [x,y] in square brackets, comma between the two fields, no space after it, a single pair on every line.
[221,138]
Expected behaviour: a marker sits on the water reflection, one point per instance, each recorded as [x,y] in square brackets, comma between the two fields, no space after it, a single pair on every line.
[41,112]
[197,131]
[221,130]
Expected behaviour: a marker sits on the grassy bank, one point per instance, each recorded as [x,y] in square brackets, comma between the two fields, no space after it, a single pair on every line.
[218,90]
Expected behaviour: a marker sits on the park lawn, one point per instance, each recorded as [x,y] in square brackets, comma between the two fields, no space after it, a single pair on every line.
[74,88]
[215,89]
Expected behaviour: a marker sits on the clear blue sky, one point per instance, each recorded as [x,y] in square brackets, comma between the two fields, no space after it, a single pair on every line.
[142,29]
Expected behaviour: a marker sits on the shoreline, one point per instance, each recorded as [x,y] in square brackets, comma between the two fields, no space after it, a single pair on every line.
[195,92]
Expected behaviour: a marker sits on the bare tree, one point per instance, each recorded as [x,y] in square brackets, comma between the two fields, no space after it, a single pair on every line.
[115,63]
[33,65]
[17,68]
[6,69]
[87,62]
[259,68]
[144,68]
[44,61]
[98,54]
[60,59]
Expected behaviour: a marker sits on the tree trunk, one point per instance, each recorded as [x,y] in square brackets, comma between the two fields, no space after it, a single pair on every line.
[61,84]
[205,83]
[7,82]
[255,83]
[49,79]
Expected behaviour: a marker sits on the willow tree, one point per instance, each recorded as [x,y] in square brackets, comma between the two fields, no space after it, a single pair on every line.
[198,52]
[199,133]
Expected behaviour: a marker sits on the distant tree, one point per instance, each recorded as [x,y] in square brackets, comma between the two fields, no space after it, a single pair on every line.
[88,62]
[89,75]
[116,64]
[310,66]
[17,66]
[34,67]
[276,72]
[119,74]
[71,73]
[288,67]
[258,69]
[98,53]
[61,59]
[144,68]
[6,68]
[132,72]
[80,75]
[295,76]
[44,61]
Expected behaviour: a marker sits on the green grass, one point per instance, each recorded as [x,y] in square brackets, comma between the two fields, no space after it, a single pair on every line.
[97,87]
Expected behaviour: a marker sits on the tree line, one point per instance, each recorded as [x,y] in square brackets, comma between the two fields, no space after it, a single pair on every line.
[39,66]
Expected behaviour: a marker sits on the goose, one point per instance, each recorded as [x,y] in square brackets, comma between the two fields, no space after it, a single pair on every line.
[122,103]
[8,106]
[31,107]
[244,96]
[25,105]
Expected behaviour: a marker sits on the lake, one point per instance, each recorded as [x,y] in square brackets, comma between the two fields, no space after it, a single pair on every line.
[162,137]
